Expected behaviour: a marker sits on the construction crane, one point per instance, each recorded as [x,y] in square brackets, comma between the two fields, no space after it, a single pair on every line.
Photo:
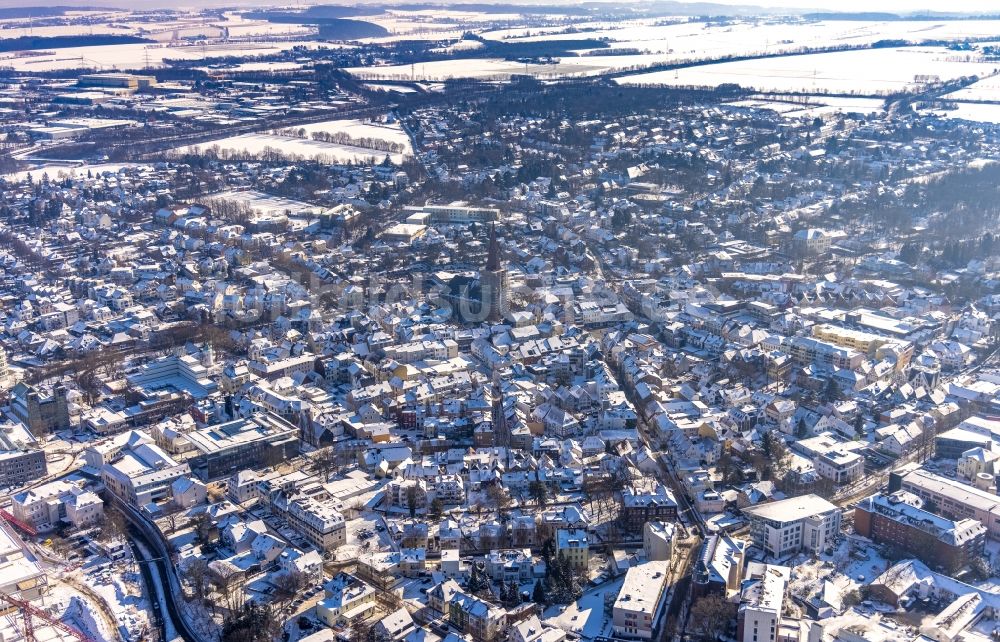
[15,522]
[28,611]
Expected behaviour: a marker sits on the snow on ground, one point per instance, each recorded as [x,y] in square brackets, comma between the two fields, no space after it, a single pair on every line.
[499,69]
[392,133]
[812,106]
[836,104]
[62,171]
[64,603]
[364,536]
[320,151]
[699,40]
[854,560]
[973,112]
[162,585]
[120,585]
[985,89]
[256,66]
[870,626]
[402,89]
[862,72]
[134,56]
[586,616]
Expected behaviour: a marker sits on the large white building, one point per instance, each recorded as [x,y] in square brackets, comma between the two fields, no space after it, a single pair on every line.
[641,601]
[786,527]
[58,501]
[457,212]
[141,473]
[950,497]
[761,603]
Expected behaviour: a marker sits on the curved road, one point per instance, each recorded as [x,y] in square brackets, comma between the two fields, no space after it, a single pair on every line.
[143,533]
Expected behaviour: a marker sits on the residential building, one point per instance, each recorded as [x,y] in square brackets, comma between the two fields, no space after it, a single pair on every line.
[899,519]
[21,458]
[639,507]
[639,607]
[789,526]
[345,598]
[658,540]
[762,602]
[574,545]
[950,497]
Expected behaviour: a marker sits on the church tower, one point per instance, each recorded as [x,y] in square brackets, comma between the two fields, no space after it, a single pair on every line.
[494,283]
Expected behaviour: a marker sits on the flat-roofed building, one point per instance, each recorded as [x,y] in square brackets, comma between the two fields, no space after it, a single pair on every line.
[458,212]
[21,459]
[117,81]
[840,466]
[762,602]
[19,575]
[639,607]
[185,374]
[950,497]
[789,526]
[260,440]
[404,232]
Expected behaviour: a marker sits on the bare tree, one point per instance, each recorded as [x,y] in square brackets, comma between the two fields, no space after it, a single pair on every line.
[286,587]
[196,575]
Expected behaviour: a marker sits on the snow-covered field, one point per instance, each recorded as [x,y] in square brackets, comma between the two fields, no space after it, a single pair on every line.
[861,72]
[62,171]
[321,151]
[260,66]
[402,89]
[499,69]
[985,89]
[672,42]
[354,128]
[121,24]
[687,40]
[134,56]
[329,153]
[973,112]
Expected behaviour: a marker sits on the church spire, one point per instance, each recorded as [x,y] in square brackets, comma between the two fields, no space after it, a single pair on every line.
[493,262]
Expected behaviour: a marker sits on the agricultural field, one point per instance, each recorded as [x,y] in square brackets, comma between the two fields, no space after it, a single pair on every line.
[985,89]
[862,72]
[136,56]
[697,40]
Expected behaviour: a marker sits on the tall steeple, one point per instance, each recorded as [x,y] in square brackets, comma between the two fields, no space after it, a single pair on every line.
[493,282]
[493,263]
